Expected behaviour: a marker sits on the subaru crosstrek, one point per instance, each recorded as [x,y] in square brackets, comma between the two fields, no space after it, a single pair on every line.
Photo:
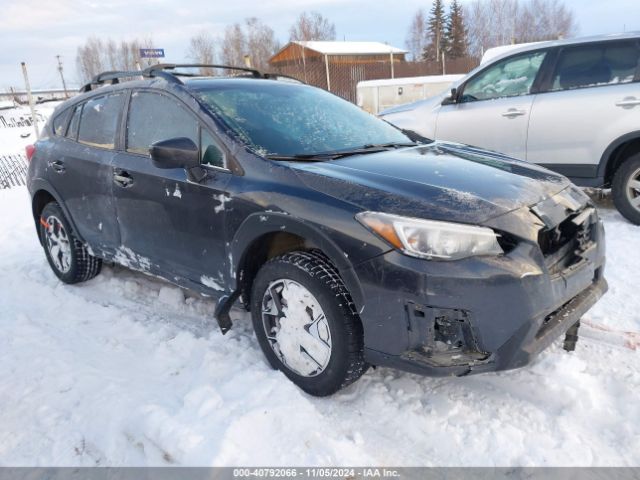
[350,244]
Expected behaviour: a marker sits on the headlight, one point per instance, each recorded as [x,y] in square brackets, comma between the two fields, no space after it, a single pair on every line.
[432,239]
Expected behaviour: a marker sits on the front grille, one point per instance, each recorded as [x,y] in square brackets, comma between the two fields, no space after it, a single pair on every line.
[563,245]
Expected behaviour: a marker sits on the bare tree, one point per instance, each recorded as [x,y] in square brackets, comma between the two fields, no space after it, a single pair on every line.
[97,55]
[254,39]
[502,22]
[202,49]
[312,26]
[89,60]
[416,40]
[233,48]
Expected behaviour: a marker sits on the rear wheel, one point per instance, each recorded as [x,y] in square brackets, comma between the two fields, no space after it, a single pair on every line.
[304,321]
[67,256]
[626,189]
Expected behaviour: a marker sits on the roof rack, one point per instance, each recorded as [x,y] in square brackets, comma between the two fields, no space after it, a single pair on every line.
[173,66]
[167,71]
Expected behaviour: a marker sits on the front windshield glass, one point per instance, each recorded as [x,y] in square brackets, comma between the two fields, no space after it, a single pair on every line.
[284,119]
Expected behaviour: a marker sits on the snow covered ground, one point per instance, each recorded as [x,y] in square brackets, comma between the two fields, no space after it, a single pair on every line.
[128,370]
[14,133]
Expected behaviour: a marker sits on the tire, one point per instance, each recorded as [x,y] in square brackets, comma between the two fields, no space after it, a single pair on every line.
[626,195]
[337,363]
[68,257]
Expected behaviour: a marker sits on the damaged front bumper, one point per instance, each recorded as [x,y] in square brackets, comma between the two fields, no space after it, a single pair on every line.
[478,314]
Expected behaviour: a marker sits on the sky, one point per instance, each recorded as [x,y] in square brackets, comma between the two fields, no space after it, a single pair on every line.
[35,31]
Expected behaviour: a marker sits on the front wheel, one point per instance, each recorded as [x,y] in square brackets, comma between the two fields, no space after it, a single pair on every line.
[626,189]
[305,324]
[68,257]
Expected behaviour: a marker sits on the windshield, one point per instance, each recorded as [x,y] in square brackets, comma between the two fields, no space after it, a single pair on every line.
[284,119]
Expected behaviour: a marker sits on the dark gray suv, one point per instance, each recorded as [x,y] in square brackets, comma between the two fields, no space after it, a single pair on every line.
[350,244]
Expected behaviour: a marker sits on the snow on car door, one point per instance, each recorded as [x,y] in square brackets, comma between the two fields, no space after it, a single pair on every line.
[494,107]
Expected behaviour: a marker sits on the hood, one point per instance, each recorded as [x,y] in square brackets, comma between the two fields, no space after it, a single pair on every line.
[440,181]
[426,103]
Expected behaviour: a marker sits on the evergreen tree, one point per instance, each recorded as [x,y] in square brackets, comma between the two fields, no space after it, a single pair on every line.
[436,33]
[456,37]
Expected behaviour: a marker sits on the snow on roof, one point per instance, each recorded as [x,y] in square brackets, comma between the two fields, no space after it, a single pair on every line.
[494,52]
[350,48]
[410,80]
[503,50]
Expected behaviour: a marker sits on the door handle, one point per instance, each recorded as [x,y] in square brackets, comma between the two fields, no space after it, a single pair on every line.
[57,165]
[513,113]
[628,102]
[122,179]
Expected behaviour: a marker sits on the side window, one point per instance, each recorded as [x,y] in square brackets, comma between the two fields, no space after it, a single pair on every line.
[72,129]
[154,117]
[60,122]
[606,63]
[509,78]
[210,153]
[99,121]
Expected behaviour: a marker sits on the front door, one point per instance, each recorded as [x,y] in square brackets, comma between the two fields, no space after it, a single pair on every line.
[169,224]
[494,107]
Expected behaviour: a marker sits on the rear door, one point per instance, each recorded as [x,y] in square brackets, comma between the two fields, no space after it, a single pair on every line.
[494,106]
[168,223]
[81,169]
[592,98]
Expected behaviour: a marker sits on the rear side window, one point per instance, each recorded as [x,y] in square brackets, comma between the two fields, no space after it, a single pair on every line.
[154,117]
[60,122]
[72,129]
[99,121]
[606,63]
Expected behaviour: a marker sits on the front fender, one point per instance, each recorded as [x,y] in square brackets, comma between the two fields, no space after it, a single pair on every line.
[262,223]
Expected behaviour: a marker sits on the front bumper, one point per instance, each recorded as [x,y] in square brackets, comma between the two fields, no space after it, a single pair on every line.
[507,309]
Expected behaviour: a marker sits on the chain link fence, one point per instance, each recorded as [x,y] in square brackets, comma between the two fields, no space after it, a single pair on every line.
[13,170]
[341,77]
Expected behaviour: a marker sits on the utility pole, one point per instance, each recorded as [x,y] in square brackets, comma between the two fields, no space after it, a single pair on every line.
[64,84]
[30,97]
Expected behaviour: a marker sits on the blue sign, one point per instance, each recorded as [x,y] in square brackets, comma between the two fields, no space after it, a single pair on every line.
[152,53]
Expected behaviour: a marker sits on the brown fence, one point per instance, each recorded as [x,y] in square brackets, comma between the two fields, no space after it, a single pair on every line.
[342,78]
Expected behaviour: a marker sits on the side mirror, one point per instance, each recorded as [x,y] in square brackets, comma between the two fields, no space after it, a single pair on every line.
[178,153]
[175,153]
[451,99]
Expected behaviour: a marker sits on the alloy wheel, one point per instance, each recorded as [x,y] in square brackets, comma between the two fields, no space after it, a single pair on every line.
[633,189]
[296,327]
[57,242]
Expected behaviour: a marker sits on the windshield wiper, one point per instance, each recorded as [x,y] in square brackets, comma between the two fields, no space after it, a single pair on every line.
[298,157]
[320,156]
[391,145]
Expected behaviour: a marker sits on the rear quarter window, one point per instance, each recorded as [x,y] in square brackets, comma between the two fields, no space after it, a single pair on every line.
[60,122]
[99,121]
[72,129]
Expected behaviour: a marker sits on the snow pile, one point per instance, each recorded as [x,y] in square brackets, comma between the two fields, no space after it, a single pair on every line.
[129,370]
[15,129]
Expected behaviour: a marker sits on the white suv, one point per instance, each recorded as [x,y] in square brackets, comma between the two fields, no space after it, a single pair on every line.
[572,106]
